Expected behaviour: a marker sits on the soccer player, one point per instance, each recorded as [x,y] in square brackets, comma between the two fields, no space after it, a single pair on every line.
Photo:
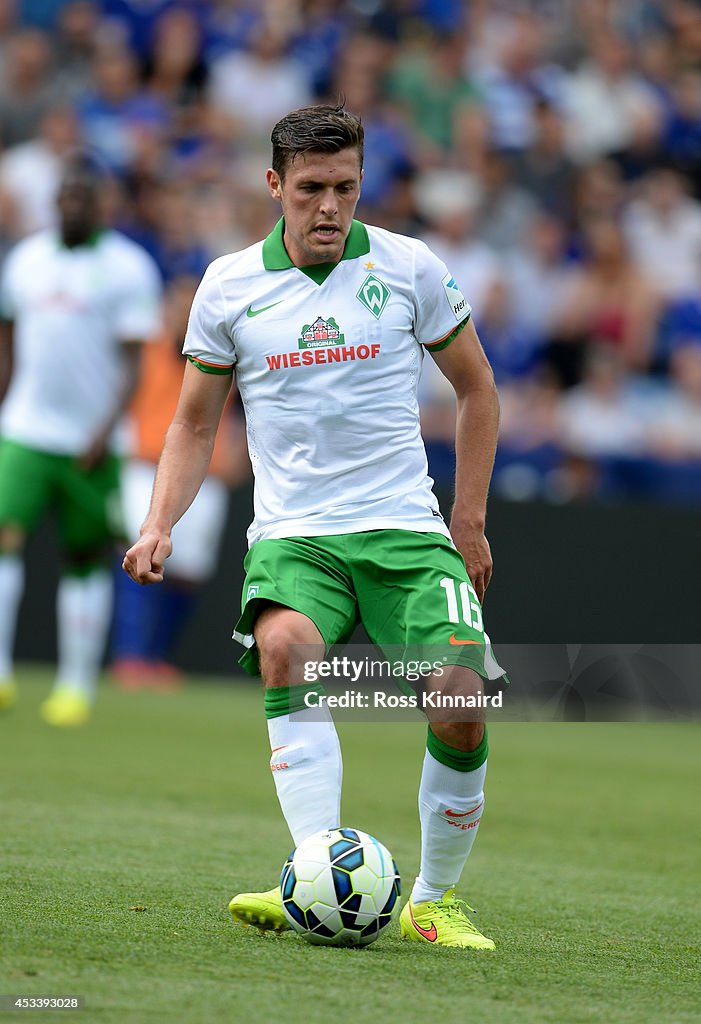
[76,304]
[325,324]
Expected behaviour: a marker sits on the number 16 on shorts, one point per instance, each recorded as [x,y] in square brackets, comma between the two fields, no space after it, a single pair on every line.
[468,603]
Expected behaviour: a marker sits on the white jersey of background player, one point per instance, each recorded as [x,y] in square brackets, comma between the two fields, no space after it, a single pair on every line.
[72,309]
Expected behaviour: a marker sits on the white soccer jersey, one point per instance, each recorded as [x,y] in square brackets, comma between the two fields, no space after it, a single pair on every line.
[72,308]
[327,361]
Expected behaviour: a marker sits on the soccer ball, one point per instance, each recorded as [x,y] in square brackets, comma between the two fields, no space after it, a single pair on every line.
[339,888]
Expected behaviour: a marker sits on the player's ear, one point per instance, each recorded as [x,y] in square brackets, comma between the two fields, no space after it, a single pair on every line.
[274,183]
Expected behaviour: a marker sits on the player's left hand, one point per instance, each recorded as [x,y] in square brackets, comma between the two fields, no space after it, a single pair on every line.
[474,548]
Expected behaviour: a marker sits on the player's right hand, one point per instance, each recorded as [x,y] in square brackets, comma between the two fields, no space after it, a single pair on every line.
[144,561]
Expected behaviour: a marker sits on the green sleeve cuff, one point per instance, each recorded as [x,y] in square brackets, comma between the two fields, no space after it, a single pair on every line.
[210,367]
[437,346]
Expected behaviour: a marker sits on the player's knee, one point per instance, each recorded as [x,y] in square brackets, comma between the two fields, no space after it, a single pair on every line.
[464,736]
[277,631]
[276,654]
[12,539]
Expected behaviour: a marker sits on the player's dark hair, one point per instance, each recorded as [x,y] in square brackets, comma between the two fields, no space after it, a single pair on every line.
[319,129]
[85,168]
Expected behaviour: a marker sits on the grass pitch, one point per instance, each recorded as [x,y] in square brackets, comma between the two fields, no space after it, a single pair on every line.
[122,843]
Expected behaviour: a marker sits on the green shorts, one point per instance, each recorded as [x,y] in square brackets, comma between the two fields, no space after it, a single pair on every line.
[408,589]
[86,503]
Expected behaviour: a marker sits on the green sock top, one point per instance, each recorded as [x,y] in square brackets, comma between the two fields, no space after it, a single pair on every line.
[285,700]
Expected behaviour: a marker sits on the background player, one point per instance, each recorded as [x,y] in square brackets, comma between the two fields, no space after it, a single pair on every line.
[324,324]
[148,621]
[77,304]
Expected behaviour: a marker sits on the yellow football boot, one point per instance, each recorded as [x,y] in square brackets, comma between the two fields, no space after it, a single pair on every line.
[261,909]
[8,694]
[66,708]
[443,923]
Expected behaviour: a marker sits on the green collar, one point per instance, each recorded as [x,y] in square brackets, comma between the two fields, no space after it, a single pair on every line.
[91,242]
[275,254]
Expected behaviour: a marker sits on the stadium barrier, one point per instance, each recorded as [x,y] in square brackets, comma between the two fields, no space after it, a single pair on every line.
[585,573]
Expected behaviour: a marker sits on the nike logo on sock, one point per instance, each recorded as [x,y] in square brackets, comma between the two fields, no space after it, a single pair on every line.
[463,814]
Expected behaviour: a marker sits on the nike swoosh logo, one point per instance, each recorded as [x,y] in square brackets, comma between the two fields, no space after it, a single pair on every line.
[275,749]
[463,814]
[461,643]
[256,312]
[428,933]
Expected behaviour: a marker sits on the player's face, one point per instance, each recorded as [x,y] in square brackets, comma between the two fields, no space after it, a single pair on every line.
[318,195]
[78,209]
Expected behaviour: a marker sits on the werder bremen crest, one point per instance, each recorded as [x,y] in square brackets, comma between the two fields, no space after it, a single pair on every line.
[321,333]
[373,294]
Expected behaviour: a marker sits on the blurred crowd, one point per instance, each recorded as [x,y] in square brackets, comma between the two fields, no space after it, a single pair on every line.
[549,152]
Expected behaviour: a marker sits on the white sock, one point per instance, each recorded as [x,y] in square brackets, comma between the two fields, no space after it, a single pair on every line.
[83,609]
[446,838]
[11,589]
[308,770]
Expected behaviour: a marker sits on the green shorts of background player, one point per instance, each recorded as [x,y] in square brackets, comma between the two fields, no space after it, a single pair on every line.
[85,506]
[405,588]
